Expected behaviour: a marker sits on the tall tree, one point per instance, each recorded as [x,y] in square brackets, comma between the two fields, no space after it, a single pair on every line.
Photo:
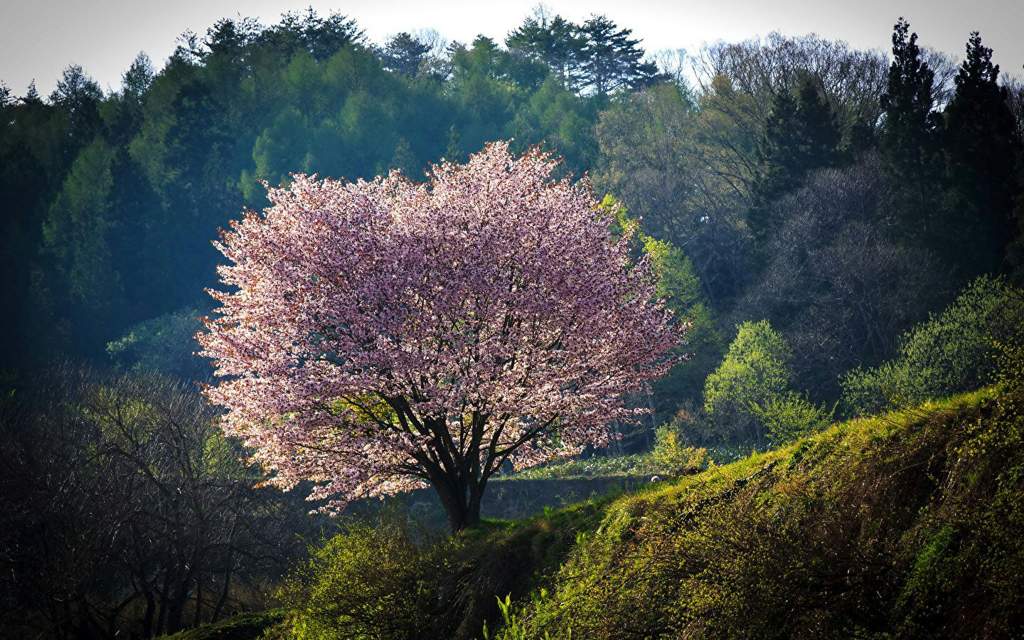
[801,135]
[488,316]
[404,53]
[612,60]
[981,145]
[555,41]
[909,135]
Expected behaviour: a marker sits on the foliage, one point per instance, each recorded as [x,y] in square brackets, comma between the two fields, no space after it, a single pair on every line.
[754,372]
[838,281]
[498,319]
[801,135]
[675,457]
[165,345]
[597,57]
[981,145]
[383,582]
[885,527]
[951,352]
[789,416]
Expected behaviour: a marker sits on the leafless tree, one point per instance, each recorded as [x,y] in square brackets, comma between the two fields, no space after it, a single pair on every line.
[127,513]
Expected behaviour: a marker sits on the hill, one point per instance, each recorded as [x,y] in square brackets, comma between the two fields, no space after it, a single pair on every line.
[905,525]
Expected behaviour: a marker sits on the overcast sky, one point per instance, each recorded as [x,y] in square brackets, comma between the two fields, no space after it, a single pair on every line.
[38,38]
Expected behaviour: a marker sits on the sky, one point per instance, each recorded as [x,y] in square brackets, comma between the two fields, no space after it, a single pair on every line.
[39,38]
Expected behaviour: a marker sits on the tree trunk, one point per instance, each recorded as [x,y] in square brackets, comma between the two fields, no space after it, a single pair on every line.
[461,503]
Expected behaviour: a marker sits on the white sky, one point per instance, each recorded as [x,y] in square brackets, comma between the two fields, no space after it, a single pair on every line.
[38,38]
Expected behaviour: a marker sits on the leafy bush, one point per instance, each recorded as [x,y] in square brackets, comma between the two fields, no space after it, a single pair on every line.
[755,371]
[789,416]
[954,351]
[164,344]
[386,583]
[674,456]
[369,581]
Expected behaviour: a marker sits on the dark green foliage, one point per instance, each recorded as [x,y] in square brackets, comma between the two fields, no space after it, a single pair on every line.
[801,135]
[554,41]
[404,54]
[597,57]
[982,145]
[612,60]
[909,132]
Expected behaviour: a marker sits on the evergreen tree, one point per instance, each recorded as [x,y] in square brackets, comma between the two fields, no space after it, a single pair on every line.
[32,94]
[78,96]
[801,135]
[612,60]
[981,145]
[555,42]
[403,54]
[908,136]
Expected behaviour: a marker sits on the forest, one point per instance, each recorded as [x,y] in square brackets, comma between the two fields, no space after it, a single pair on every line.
[732,337]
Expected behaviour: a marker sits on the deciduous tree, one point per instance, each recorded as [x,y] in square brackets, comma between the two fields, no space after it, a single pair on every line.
[385,335]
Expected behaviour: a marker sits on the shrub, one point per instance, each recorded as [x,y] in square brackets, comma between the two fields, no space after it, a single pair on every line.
[789,416]
[164,344]
[954,351]
[755,370]
[674,456]
[366,582]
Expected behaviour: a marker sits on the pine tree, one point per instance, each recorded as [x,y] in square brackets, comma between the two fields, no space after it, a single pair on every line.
[981,146]
[611,59]
[802,134]
[908,138]
[403,54]
[554,41]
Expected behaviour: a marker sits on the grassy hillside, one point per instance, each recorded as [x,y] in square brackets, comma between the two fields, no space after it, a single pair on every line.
[906,525]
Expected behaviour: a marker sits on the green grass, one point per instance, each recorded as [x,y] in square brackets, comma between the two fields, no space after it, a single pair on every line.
[246,626]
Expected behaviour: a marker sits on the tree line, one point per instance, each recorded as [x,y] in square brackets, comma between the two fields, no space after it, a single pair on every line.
[803,204]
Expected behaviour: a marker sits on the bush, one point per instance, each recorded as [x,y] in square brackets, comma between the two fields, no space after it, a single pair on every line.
[367,582]
[755,370]
[674,456]
[952,352]
[165,344]
[789,416]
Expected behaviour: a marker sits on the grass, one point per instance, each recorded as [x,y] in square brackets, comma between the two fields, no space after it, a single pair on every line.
[906,525]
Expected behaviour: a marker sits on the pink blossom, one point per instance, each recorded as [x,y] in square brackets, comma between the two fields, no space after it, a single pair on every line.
[374,337]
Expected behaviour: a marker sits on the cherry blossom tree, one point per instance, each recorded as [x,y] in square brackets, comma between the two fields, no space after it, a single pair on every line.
[380,336]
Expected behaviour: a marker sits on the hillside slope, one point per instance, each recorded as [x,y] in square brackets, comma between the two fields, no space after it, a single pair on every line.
[907,525]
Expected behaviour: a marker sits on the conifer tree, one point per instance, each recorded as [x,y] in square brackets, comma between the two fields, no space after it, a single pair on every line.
[909,134]
[981,144]
[801,135]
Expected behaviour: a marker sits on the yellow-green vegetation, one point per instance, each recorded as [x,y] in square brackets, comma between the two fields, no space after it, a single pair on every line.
[748,397]
[670,457]
[901,526]
[906,525]
[953,351]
